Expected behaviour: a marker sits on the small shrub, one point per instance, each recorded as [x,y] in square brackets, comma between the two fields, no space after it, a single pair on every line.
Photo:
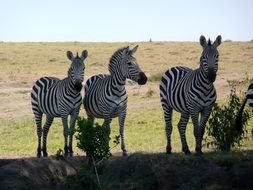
[221,125]
[93,139]
[59,155]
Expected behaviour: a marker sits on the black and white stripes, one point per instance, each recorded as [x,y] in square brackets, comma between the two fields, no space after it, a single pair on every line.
[105,95]
[248,100]
[191,92]
[59,98]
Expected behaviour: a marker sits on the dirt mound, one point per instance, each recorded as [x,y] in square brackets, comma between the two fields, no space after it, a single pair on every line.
[33,173]
[137,171]
[161,171]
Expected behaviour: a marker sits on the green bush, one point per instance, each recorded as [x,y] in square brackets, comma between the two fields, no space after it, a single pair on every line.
[221,124]
[93,139]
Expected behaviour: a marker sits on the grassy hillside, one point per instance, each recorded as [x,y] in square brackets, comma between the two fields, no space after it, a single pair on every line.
[21,64]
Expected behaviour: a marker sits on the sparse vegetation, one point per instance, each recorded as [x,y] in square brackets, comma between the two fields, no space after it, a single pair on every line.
[221,124]
[156,77]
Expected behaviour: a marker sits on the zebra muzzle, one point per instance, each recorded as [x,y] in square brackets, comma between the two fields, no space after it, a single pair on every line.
[211,76]
[78,86]
[142,78]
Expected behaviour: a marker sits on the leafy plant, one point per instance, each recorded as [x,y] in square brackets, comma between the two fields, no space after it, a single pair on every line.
[59,155]
[94,140]
[221,125]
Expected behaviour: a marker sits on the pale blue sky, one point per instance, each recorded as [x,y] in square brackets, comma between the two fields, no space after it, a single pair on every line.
[129,20]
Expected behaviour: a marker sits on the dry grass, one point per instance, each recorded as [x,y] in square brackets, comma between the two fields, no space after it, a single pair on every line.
[21,64]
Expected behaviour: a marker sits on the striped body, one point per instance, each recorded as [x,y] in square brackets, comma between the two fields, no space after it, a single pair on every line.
[248,100]
[58,98]
[190,92]
[105,95]
[108,100]
[182,89]
[54,97]
[249,95]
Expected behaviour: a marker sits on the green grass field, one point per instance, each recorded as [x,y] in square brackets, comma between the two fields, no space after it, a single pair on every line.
[21,64]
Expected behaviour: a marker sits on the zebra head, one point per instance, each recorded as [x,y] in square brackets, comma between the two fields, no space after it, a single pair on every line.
[76,70]
[127,65]
[209,57]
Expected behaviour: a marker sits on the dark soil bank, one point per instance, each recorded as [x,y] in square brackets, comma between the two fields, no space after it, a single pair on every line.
[33,173]
[137,171]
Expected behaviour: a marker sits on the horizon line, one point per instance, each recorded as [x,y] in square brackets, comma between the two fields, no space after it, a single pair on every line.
[141,41]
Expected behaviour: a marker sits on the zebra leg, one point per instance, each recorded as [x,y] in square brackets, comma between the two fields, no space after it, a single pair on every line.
[73,117]
[167,117]
[38,119]
[107,122]
[196,131]
[122,117]
[46,128]
[204,118]
[181,127]
[65,133]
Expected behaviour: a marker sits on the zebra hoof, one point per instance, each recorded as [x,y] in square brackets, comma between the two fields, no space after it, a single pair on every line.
[124,153]
[70,154]
[186,151]
[198,151]
[168,150]
[45,154]
[38,155]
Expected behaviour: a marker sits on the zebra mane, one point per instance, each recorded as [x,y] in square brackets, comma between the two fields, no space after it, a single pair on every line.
[77,56]
[117,54]
[209,42]
[115,59]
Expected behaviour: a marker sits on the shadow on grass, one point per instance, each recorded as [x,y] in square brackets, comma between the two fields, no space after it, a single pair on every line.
[213,170]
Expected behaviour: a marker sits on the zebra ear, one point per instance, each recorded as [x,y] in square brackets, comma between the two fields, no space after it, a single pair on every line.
[202,41]
[217,42]
[132,51]
[69,55]
[126,50]
[84,55]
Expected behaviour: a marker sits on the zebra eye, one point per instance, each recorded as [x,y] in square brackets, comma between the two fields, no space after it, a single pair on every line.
[129,63]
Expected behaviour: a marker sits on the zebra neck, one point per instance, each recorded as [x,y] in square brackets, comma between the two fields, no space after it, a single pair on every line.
[201,79]
[70,86]
[118,82]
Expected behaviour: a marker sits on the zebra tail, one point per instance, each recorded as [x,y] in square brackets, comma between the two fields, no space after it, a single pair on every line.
[238,120]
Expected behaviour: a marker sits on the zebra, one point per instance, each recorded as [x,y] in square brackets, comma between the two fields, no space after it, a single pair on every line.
[105,94]
[192,93]
[59,98]
[248,99]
